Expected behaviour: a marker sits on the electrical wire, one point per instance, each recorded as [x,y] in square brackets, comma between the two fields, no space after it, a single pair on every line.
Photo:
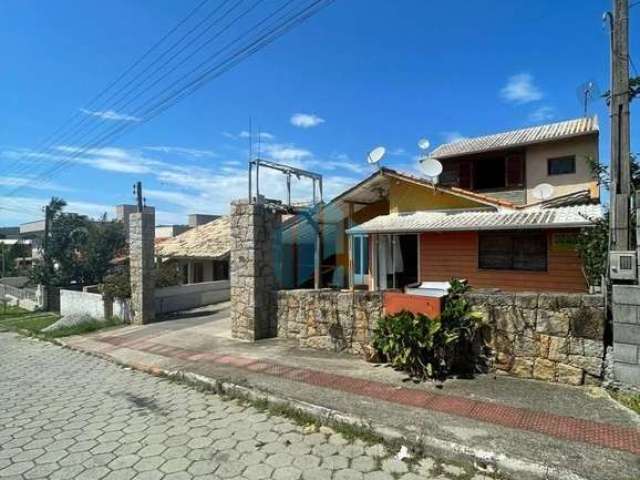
[128,70]
[267,36]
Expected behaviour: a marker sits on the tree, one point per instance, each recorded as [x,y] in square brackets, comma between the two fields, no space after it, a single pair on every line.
[8,256]
[79,249]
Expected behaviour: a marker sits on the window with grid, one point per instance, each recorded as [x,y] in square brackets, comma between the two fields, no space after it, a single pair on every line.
[513,251]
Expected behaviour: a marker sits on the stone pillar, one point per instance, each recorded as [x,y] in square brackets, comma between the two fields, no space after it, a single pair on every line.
[142,266]
[255,244]
[626,334]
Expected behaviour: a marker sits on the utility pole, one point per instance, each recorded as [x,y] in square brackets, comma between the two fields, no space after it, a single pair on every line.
[3,259]
[620,187]
[45,243]
[137,191]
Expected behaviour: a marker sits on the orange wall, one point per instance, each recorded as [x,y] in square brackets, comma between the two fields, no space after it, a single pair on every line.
[455,254]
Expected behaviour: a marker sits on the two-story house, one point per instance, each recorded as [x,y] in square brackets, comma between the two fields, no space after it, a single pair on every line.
[484,221]
[510,165]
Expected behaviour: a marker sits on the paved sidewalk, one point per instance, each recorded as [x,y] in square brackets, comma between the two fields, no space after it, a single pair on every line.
[68,416]
[561,427]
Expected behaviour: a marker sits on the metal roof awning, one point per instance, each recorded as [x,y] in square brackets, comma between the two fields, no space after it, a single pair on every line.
[564,217]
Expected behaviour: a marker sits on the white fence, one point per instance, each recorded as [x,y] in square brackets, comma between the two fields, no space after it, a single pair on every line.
[87,303]
[169,299]
[184,297]
[27,298]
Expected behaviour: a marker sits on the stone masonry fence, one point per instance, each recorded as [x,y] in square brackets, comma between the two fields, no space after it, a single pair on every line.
[552,337]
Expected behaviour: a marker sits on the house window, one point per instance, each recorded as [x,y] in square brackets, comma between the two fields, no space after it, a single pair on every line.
[561,165]
[185,273]
[198,272]
[220,270]
[513,251]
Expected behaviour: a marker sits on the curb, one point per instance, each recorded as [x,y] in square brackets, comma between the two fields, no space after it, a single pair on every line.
[485,462]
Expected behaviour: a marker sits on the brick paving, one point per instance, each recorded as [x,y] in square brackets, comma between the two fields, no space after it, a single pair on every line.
[562,427]
[65,415]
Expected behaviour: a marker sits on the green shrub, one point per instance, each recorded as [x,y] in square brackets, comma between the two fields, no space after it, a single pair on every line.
[425,347]
[117,285]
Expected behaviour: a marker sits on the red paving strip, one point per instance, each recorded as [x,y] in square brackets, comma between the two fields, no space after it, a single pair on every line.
[566,428]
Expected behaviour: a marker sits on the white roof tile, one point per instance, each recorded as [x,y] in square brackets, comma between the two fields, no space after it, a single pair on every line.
[529,218]
[515,138]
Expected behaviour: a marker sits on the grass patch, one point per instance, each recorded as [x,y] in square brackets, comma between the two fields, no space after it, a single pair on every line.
[629,400]
[24,321]
[31,323]
[87,327]
[8,311]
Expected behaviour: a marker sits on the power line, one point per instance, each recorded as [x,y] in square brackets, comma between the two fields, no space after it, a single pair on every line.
[98,125]
[128,70]
[266,36]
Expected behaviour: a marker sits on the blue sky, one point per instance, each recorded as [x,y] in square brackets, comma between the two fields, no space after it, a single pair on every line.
[361,73]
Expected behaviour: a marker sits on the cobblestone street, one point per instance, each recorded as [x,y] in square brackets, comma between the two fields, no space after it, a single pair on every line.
[66,415]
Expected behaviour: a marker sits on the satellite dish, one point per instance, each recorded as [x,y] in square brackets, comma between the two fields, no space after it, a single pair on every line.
[376,155]
[424,144]
[544,191]
[431,167]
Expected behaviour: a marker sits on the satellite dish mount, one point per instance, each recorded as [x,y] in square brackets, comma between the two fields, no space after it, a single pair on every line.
[375,155]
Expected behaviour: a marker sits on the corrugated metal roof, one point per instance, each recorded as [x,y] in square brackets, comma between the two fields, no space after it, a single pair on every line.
[515,138]
[211,240]
[564,217]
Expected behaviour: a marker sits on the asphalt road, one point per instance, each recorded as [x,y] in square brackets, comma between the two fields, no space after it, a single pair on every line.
[65,415]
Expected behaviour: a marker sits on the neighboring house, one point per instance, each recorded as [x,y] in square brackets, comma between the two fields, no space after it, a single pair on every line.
[510,165]
[194,219]
[394,229]
[201,254]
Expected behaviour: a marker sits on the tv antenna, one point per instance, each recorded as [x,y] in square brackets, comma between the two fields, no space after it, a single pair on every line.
[585,93]
[543,191]
[375,155]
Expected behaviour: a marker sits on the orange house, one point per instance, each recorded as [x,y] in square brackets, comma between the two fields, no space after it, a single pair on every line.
[484,221]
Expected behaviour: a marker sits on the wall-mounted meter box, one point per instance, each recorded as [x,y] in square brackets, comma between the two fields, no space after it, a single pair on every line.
[623,265]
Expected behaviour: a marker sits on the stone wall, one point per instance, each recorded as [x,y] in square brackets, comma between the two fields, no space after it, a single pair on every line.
[142,266]
[326,319]
[626,334]
[553,337]
[255,241]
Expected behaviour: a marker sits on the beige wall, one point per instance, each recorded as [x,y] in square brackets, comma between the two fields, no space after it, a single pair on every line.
[536,166]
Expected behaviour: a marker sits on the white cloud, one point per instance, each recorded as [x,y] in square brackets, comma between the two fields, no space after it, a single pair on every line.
[32,182]
[245,134]
[452,136]
[111,159]
[183,151]
[542,114]
[32,205]
[306,120]
[177,188]
[285,152]
[110,115]
[520,89]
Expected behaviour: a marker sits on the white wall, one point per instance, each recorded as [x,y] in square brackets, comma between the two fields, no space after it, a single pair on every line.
[536,166]
[92,304]
[182,297]
[170,299]
[72,302]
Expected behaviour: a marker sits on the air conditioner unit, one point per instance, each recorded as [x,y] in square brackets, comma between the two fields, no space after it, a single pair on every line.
[623,265]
